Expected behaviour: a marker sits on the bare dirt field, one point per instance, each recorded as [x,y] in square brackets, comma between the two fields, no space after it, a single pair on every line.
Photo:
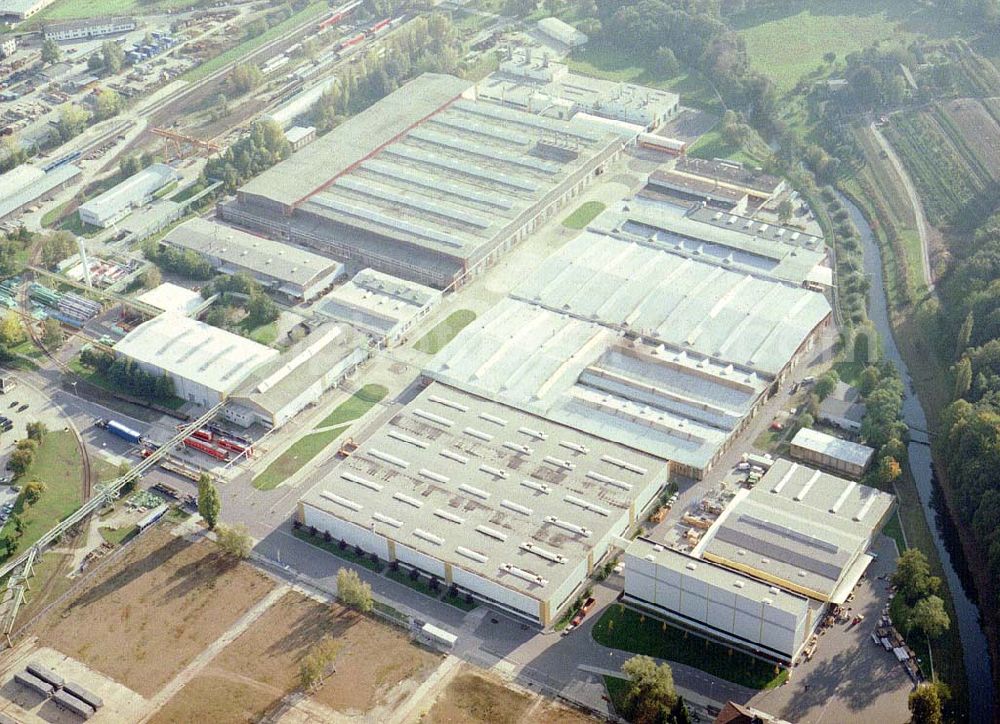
[979,130]
[376,666]
[145,616]
[474,696]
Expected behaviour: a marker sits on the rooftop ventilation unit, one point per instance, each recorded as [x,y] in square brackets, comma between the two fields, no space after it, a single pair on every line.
[524,575]
[403,498]
[624,465]
[475,492]
[449,516]
[347,503]
[407,439]
[469,553]
[478,434]
[542,553]
[609,481]
[454,456]
[436,477]
[516,447]
[491,533]
[560,463]
[516,507]
[386,457]
[388,520]
[492,418]
[371,485]
[540,487]
[566,525]
[495,472]
[538,435]
[433,418]
[429,537]
[449,403]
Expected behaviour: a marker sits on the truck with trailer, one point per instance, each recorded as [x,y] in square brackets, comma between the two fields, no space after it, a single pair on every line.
[119,430]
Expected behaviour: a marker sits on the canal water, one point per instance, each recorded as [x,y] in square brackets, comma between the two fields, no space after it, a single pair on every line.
[974,644]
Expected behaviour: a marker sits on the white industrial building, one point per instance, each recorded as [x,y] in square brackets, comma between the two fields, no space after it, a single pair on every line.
[117,203]
[832,453]
[8,46]
[283,387]
[532,82]
[763,573]
[290,270]
[382,305]
[508,507]
[562,32]
[708,235]
[205,363]
[88,28]
[173,299]
[27,184]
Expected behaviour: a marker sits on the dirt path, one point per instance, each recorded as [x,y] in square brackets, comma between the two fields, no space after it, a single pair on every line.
[423,698]
[201,660]
[918,208]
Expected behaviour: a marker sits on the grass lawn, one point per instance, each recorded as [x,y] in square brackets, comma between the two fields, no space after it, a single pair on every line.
[626,629]
[584,214]
[355,406]
[59,466]
[333,546]
[73,225]
[459,601]
[714,145]
[114,536]
[292,460]
[787,41]
[97,378]
[314,9]
[617,690]
[53,215]
[420,585]
[445,331]
[894,530]
[28,349]
[265,334]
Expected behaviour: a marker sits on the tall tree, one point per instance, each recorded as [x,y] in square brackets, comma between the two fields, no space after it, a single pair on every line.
[209,504]
[963,377]
[964,335]
[353,591]
[913,577]
[50,52]
[929,616]
[925,705]
[651,694]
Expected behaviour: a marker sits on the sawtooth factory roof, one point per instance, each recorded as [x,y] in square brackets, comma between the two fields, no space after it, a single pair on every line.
[753,323]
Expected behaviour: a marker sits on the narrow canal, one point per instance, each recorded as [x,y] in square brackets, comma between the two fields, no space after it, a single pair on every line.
[974,644]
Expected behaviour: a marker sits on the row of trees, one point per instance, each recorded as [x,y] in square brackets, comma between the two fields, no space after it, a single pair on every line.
[426,44]
[125,375]
[263,147]
[968,444]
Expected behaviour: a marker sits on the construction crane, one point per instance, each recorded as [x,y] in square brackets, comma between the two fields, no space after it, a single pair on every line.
[182,143]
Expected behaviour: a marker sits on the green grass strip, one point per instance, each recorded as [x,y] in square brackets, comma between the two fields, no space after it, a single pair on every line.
[435,340]
[584,214]
[355,406]
[627,629]
[295,458]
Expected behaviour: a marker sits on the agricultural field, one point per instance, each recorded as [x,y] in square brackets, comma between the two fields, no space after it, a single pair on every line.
[251,676]
[788,41]
[954,184]
[146,616]
[978,127]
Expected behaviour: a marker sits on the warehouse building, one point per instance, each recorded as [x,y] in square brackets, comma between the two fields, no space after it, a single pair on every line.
[174,299]
[765,571]
[205,363]
[284,268]
[760,187]
[508,507]
[117,203]
[671,404]
[842,408]
[281,388]
[832,453]
[562,32]
[533,83]
[426,185]
[88,28]
[27,184]
[382,305]
[710,236]
[300,136]
[754,324]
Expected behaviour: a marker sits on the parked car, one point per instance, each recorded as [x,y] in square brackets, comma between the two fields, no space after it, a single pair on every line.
[23,407]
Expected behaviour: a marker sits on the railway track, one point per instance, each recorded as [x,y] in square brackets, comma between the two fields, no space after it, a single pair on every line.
[34,257]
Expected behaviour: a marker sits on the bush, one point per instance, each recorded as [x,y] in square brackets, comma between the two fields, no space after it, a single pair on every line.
[33,491]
